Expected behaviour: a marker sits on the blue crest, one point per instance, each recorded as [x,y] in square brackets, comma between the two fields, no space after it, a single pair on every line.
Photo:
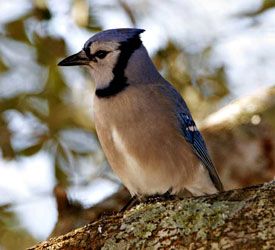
[116,35]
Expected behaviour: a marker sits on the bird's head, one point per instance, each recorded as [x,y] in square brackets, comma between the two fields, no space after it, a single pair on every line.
[106,55]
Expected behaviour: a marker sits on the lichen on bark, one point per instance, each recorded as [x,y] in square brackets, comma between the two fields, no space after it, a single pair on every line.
[238,219]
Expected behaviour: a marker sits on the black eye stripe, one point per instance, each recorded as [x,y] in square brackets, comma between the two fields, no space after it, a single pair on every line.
[101,54]
[87,51]
[120,81]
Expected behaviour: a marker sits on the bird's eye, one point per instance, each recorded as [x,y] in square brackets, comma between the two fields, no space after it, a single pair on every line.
[101,54]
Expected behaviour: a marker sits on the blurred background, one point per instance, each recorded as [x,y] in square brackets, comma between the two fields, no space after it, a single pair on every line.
[53,174]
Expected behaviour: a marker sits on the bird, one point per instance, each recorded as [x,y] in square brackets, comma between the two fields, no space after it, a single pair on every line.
[143,124]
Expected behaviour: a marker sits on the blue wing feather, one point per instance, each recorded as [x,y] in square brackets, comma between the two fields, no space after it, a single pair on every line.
[194,137]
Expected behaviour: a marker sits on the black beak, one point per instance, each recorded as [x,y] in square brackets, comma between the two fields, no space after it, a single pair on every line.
[79,58]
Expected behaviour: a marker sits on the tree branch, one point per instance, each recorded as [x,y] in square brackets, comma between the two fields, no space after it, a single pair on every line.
[239,219]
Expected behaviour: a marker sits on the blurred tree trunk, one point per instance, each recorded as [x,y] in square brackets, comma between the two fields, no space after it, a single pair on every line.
[237,219]
[72,216]
[241,140]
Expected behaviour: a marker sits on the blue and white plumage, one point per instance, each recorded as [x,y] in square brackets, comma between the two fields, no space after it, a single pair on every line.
[144,126]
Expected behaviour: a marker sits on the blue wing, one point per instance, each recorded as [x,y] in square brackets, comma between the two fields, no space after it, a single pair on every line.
[190,132]
[194,137]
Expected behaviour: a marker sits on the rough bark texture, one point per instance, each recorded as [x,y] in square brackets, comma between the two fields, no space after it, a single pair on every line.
[237,219]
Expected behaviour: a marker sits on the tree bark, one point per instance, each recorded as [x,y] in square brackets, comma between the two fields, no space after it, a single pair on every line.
[236,219]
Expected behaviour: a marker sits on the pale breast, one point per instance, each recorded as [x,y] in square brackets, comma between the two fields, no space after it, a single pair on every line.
[139,135]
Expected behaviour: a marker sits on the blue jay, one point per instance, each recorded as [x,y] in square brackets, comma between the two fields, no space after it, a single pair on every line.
[144,126]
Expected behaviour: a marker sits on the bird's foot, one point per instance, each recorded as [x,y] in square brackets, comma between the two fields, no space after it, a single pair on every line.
[159,197]
[131,203]
[147,199]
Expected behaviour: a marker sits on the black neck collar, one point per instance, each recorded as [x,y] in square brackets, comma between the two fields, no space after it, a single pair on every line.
[119,82]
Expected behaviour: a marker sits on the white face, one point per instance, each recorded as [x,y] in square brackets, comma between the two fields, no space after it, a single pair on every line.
[105,58]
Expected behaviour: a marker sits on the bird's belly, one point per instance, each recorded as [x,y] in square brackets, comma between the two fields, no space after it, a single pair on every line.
[147,165]
[139,174]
